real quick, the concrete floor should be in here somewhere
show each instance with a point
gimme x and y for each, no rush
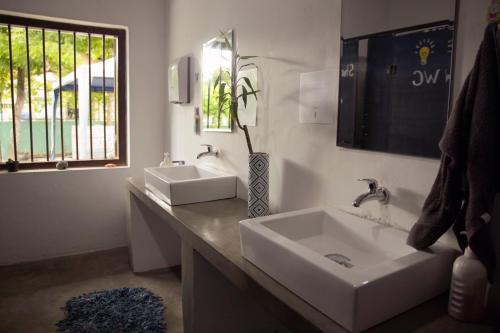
(31, 295)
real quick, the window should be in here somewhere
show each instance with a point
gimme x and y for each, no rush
(62, 93)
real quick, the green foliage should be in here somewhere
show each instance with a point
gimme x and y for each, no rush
(228, 87)
(212, 104)
(51, 49)
(233, 82)
(19, 59)
(60, 49)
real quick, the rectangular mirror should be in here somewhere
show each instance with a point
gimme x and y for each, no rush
(396, 73)
(217, 60)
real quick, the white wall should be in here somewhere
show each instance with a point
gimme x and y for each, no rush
(49, 214)
(307, 169)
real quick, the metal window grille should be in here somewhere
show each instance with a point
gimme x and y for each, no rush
(62, 93)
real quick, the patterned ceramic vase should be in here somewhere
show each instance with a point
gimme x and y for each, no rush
(258, 184)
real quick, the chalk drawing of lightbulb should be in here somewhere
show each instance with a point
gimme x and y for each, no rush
(425, 48)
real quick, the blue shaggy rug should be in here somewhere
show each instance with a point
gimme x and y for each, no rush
(124, 310)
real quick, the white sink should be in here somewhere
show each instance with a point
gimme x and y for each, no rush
(179, 185)
(357, 272)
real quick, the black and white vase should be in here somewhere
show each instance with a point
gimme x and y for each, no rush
(258, 185)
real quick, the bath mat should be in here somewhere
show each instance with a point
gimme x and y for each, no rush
(124, 310)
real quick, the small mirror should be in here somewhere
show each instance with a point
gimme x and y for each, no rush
(217, 60)
(396, 72)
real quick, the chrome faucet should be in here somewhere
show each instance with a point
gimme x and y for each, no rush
(374, 193)
(179, 163)
(211, 151)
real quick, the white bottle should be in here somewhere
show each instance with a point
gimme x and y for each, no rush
(469, 288)
(166, 161)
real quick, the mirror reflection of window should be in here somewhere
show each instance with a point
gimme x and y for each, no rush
(217, 60)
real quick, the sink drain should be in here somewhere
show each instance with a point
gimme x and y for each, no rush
(340, 259)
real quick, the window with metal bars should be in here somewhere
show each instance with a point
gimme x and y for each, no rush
(62, 93)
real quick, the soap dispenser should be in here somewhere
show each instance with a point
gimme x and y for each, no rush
(469, 288)
(166, 161)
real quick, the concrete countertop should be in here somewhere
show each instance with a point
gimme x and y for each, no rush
(212, 229)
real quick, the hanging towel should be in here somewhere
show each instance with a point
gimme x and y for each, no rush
(464, 191)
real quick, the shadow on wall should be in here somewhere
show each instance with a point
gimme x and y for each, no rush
(300, 187)
(407, 200)
(268, 80)
(226, 164)
(286, 61)
(295, 68)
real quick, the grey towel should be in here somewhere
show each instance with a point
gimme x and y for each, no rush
(464, 191)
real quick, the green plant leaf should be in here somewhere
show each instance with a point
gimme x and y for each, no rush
(222, 90)
(217, 80)
(222, 72)
(222, 103)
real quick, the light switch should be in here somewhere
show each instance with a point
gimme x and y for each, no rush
(317, 97)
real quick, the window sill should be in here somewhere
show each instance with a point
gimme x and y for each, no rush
(74, 169)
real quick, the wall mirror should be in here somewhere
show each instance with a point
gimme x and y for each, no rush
(216, 59)
(396, 73)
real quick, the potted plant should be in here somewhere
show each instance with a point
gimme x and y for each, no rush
(231, 91)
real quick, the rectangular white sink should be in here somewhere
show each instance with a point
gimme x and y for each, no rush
(357, 272)
(179, 185)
